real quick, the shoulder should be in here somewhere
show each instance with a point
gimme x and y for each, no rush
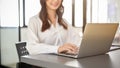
(35, 20)
(68, 24)
(70, 27)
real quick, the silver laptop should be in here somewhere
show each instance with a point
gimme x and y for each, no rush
(97, 39)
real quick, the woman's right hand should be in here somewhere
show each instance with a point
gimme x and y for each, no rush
(68, 48)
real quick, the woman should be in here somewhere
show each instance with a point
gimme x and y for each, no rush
(48, 32)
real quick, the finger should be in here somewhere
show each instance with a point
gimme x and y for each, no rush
(77, 49)
(64, 50)
(70, 48)
(74, 51)
(73, 46)
(70, 52)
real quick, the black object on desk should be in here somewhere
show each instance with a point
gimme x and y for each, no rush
(22, 51)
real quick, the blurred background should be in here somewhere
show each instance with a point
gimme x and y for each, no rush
(15, 14)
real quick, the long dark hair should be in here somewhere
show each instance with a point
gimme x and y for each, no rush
(43, 15)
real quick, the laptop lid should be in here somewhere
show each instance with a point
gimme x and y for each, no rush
(97, 38)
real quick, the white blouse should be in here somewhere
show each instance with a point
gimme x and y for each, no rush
(49, 40)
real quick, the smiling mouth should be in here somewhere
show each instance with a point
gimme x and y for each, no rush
(55, 5)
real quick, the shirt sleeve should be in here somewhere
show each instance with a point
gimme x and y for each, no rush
(74, 36)
(34, 46)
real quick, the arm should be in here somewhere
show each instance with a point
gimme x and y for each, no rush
(72, 43)
(34, 45)
(74, 36)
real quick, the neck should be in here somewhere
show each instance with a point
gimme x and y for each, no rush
(52, 15)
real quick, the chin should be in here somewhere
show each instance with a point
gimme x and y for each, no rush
(54, 8)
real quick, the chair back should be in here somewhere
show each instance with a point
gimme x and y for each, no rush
(21, 49)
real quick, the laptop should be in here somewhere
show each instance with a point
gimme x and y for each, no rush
(97, 39)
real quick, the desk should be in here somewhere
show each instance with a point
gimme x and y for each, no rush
(109, 60)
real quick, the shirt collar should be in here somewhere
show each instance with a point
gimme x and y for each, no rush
(56, 21)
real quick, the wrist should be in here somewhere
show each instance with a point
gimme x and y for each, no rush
(59, 49)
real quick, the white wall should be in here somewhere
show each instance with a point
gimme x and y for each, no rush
(24, 34)
(9, 36)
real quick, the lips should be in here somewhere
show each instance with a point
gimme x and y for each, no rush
(55, 5)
